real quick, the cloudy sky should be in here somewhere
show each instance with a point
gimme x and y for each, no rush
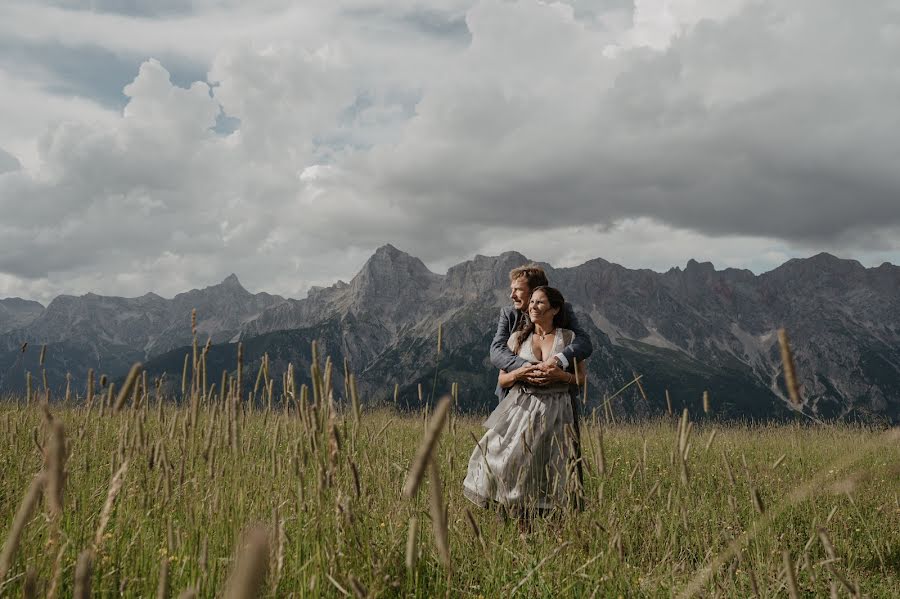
(163, 144)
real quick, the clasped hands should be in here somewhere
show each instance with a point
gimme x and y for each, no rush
(542, 373)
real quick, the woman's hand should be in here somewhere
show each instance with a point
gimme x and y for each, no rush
(508, 379)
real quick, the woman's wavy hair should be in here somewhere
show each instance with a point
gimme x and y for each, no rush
(561, 320)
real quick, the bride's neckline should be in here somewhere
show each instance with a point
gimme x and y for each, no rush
(530, 342)
(543, 336)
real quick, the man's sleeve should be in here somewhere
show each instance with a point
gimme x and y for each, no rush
(501, 356)
(580, 348)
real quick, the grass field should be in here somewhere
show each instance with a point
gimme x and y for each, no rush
(325, 486)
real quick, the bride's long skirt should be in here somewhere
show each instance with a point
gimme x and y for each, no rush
(524, 460)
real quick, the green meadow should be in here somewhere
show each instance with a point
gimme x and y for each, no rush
(301, 498)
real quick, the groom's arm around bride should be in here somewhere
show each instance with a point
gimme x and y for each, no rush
(522, 281)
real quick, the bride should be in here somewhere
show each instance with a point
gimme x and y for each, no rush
(526, 459)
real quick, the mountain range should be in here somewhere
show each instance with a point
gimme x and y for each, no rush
(685, 331)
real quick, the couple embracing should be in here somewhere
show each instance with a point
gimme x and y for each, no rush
(529, 460)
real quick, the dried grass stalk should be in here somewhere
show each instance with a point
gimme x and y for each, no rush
(240, 368)
(56, 575)
(29, 587)
(601, 453)
(127, 386)
(89, 399)
(826, 544)
(162, 588)
(683, 431)
(83, 572)
(354, 399)
(790, 577)
(790, 373)
(417, 470)
(115, 486)
(475, 529)
(728, 469)
(411, 550)
(251, 566)
(538, 567)
(358, 588)
(640, 387)
(709, 442)
(439, 516)
(757, 501)
(21, 519)
(54, 464)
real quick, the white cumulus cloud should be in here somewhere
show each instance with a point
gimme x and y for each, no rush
(648, 132)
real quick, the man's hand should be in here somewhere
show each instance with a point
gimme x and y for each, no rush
(547, 373)
(524, 372)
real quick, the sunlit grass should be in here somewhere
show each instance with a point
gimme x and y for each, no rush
(190, 491)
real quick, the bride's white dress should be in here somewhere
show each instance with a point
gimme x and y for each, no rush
(524, 460)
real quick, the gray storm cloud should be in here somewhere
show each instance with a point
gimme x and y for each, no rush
(466, 127)
(751, 125)
(8, 162)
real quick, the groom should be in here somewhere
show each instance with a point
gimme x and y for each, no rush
(521, 282)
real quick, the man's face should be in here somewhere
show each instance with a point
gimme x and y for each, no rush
(519, 293)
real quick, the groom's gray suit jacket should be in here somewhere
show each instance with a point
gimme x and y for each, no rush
(504, 359)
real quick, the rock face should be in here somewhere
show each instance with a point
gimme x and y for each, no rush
(843, 320)
(687, 331)
(110, 333)
(17, 313)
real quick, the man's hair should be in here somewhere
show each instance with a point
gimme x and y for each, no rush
(533, 274)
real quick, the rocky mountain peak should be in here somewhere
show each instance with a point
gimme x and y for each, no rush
(823, 261)
(820, 271)
(509, 258)
(390, 270)
(392, 286)
(699, 267)
(62, 302)
(18, 302)
(389, 251)
(231, 283)
(228, 289)
(16, 312)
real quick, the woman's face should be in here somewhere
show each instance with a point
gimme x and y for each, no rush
(539, 309)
